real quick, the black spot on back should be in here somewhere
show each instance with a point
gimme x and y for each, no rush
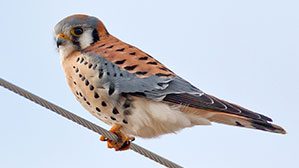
(141, 72)
(143, 58)
(120, 61)
(163, 68)
(101, 45)
(120, 49)
(152, 63)
(130, 68)
(132, 53)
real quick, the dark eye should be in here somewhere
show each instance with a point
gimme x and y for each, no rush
(77, 31)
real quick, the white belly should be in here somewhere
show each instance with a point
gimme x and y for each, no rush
(152, 119)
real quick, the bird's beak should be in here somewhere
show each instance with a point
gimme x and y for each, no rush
(61, 39)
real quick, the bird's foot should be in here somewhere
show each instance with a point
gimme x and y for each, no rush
(123, 142)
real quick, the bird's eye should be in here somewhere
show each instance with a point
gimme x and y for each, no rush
(77, 31)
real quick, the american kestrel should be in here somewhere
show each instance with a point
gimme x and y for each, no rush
(136, 94)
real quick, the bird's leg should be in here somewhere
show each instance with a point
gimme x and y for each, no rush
(123, 142)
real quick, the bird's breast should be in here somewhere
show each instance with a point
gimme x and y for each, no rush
(139, 116)
(86, 79)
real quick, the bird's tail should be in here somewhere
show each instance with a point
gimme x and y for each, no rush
(241, 121)
(237, 120)
(220, 111)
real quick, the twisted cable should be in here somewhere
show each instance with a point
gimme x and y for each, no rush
(85, 123)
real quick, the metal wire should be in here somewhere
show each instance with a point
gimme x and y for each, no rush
(85, 123)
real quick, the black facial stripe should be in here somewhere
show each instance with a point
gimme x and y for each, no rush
(75, 41)
(95, 36)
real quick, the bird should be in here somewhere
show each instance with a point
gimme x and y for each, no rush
(133, 92)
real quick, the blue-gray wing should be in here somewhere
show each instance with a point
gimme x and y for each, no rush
(169, 89)
(153, 87)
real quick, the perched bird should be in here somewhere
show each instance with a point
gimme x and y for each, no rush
(130, 90)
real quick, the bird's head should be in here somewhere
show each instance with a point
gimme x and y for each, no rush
(76, 32)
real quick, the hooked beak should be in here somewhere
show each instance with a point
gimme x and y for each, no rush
(61, 39)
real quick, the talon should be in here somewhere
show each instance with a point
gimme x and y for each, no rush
(102, 138)
(123, 142)
(124, 146)
(110, 144)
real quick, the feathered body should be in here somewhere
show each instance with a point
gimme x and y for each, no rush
(120, 84)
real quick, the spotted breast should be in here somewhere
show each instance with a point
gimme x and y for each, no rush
(88, 81)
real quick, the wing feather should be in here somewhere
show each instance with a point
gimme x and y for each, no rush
(149, 81)
(212, 103)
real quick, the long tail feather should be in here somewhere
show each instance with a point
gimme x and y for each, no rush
(240, 121)
(235, 120)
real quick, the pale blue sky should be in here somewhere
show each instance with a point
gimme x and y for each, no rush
(244, 52)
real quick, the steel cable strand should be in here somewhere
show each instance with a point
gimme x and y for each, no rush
(85, 123)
